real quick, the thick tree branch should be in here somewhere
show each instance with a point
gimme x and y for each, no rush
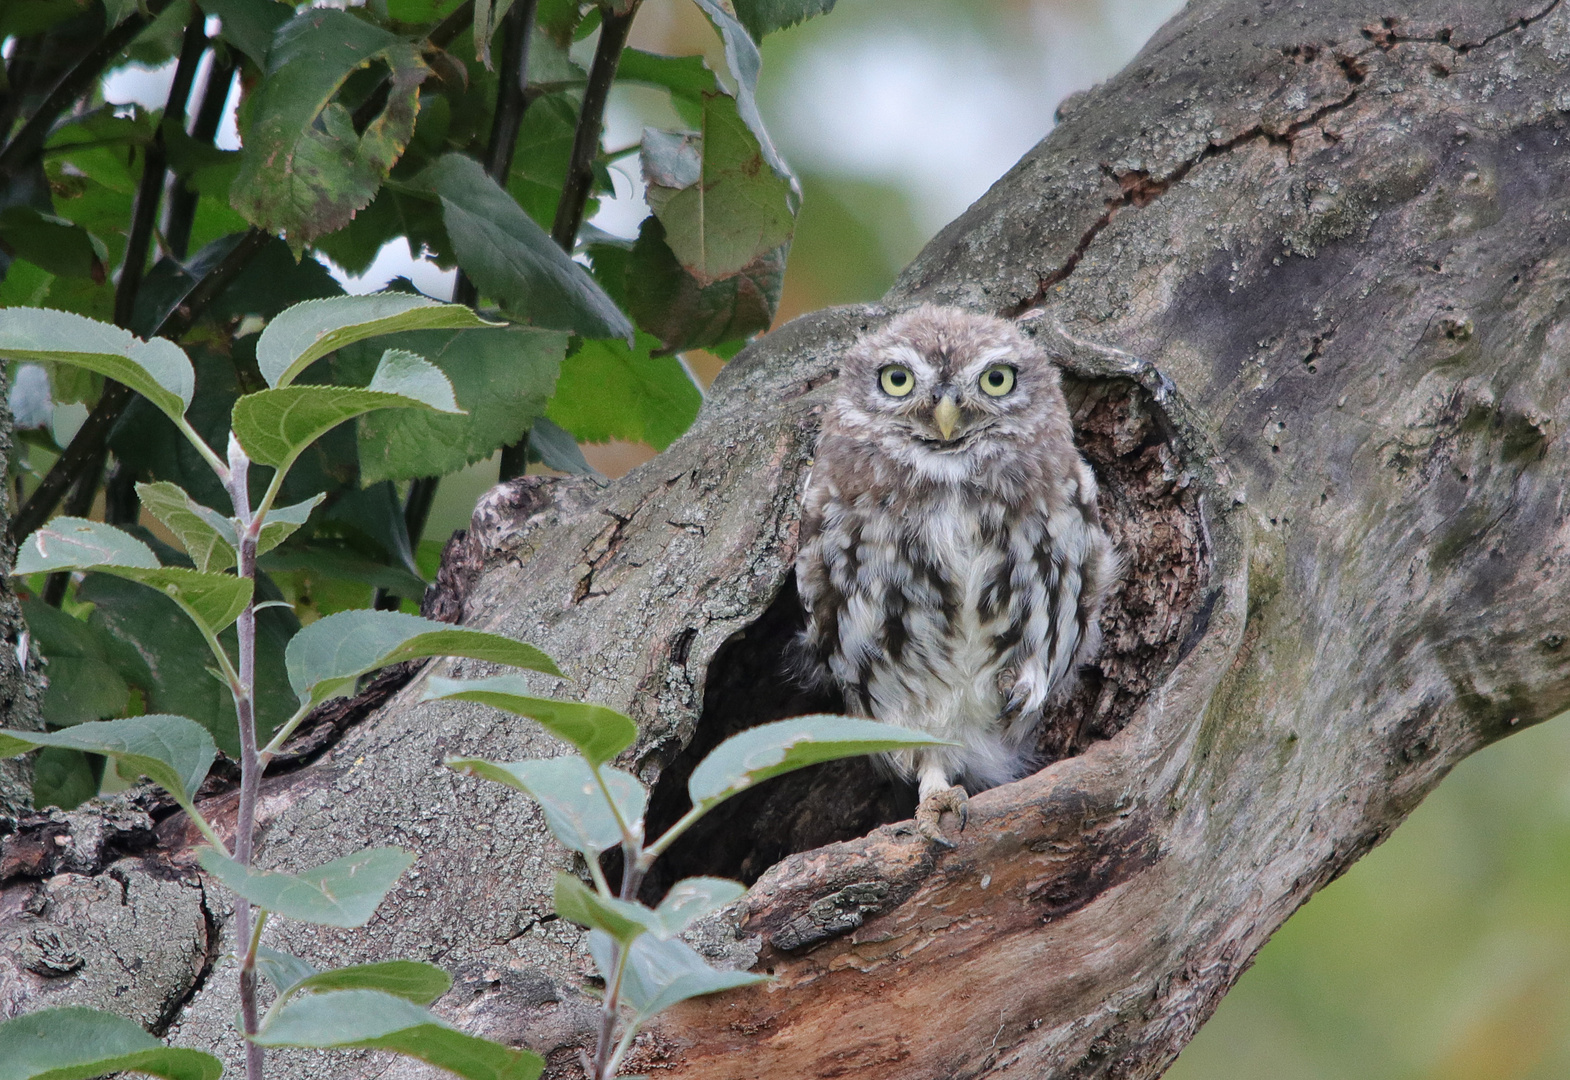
(1329, 444)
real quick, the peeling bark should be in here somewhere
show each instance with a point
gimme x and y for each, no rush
(1331, 251)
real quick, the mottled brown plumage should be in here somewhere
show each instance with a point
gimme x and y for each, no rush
(952, 562)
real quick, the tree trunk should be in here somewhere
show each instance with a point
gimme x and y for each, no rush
(1330, 250)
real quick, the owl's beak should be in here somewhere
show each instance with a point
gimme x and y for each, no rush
(946, 415)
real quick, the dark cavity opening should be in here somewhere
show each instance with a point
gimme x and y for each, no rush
(1149, 507)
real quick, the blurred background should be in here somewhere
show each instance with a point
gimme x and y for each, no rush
(1443, 955)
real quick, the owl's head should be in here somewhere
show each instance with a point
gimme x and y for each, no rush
(940, 385)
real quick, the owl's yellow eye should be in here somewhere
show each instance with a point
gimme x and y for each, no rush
(997, 380)
(896, 381)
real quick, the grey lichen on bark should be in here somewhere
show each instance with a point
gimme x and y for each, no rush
(1306, 268)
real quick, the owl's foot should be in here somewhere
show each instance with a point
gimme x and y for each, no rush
(930, 812)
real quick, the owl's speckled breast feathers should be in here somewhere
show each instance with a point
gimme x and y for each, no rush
(953, 563)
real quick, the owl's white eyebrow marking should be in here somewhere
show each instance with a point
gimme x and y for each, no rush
(910, 357)
(992, 355)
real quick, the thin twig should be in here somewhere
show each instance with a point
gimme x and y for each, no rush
(94, 432)
(512, 101)
(250, 763)
(209, 114)
(155, 162)
(439, 38)
(22, 149)
(591, 120)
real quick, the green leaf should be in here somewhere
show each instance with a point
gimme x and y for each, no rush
(734, 211)
(249, 25)
(306, 171)
(660, 973)
(306, 332)
(690, 899)
(555, 448)
(559, 19)
(501, 378)
(156, 369)
(599, 733)
(741, 56)
(210, 546)
(578, 903)
(762, 17)
(281, 969)
(69, 543)
(281, 523)
(327, 656)
(149, 624)
(688, 77)
(575, 808)
(488, 15)
(514, 260)
(334, 561)
(89, 671)
(171, 751)
(57, 245)
(275, 426)
(65, 778)
(608, 391)
(344, 892)
(76, 1043)
(409, 979)
(352, 1019)
(768, 750)
(212, 600)
(682, 312)
(209, 537)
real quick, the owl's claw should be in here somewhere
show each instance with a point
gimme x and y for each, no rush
(930, 813)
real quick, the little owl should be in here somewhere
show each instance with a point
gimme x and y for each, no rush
(952, 558)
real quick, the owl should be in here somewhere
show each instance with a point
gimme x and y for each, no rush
(952, 561)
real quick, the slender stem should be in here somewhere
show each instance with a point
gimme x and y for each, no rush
(631, 839)
(209, 114)
(512, 101)
(605, 1058)
(621, 1049)
(656, 849)
(250, 764)
(214, 462)
(601, 886)
(417, 507)
(515, 459)
(608, 1010)
(256, 938)
(591, 120)
(155, 168)
(270, 496)
(94, 432)
(281, 736)
(209, 833)
(21, 150)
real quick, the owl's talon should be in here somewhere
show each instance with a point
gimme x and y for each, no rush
(930, 813)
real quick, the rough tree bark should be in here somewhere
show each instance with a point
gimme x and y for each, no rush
(1331, 244)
